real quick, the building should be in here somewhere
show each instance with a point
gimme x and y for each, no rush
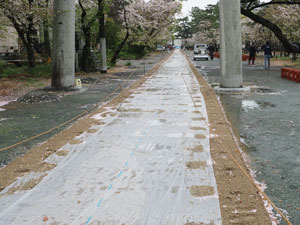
(177, 43)
(8, 38)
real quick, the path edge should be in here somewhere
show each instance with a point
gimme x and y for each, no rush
(227, 190)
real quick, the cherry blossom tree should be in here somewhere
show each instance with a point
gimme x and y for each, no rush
(143, 22)
(273, 18)
(254, 9)
(206, 34)
(286, 18)
(27, 16)
(256, 34)
(148, 20)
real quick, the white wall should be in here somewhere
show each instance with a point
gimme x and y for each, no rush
(8, 39)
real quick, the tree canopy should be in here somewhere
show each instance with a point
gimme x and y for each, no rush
(133, 26)
(259, 12)
(276, 21)
(130, 24)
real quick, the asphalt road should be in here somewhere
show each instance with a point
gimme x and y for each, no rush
(268, 122)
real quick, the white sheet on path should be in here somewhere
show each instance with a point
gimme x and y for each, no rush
(133, 169)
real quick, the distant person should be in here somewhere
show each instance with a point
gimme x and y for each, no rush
(268, 54)
(252, 54)
(211, 50)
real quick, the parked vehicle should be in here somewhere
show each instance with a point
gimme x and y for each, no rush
(177, 43)
(160, 48)
(200, 52)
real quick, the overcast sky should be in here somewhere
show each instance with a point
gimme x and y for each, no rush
(187, 5)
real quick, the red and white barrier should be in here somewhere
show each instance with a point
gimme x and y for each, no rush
(290, 74)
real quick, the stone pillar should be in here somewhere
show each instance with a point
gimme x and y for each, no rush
(63, 62)
(103, 55)
(102, 34)
(231, 44)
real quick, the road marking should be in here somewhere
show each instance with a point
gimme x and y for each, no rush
(99, 202)
(120, 173)
(88, 220)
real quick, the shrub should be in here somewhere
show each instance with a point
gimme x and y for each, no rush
(41, 70)
(3, 64)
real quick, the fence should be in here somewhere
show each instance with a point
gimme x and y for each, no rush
(290, 74)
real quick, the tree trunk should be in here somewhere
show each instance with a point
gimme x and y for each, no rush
(30, 55)
(273, 27)
(29, 45)
(102, 36)
(63, 64)
(86, 50)
(121, 46)
(47, 46)
(26, 39)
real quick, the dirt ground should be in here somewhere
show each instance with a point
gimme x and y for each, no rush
(16, 86)
(13, 88)
(240, 201)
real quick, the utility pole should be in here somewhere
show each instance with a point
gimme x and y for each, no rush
(103, 68)
(231, 44)
(63, 62)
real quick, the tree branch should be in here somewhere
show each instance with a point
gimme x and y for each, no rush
(275, 3)
(250, 4)
(83, 14)
(273, 27)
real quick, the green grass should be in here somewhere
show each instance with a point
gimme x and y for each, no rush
(32, 82)
(128, 56)
(110, 54)
(288, 61)
(41, 70)
(3, 64)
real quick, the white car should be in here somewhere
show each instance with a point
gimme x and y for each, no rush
(160, 48)
(200, 52)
